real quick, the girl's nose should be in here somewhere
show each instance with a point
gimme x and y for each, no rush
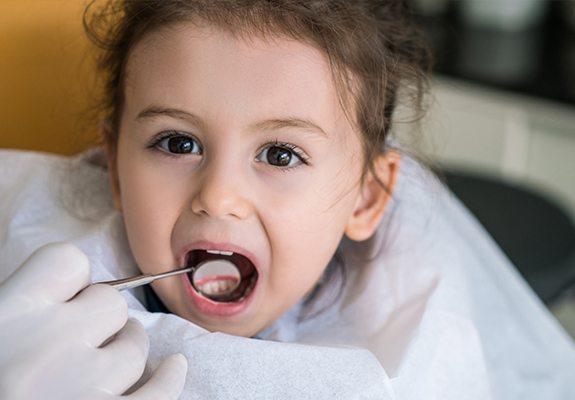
(221, 194)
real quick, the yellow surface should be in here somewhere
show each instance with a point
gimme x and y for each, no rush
(47, 79)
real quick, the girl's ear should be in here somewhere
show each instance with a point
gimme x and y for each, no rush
(376, 191)
(110, 146)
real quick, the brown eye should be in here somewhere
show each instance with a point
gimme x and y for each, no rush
(278, 156)
(179, 144)
(281, 155)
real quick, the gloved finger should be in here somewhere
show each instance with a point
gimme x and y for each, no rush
(53, 273)
(95, 314)
(166, 383)
(125, 357)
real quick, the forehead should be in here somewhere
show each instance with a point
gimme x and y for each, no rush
(193, 62)
(203, 40)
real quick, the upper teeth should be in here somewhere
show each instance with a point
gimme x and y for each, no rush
(220, 252)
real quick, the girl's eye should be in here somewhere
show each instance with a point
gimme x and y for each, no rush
(179, 144)
(282, 155)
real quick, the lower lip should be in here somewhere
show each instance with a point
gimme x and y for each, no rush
(213, 308)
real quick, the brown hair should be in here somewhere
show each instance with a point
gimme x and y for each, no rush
(372, 46)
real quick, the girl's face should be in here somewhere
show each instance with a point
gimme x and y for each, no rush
(235, 145)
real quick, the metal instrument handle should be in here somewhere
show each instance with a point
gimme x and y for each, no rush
(139, 280)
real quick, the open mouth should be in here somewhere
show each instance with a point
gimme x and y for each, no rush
(221, 276)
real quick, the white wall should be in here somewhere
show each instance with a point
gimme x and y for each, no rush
(514, 137)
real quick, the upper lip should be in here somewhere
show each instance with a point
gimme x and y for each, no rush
(207, 245)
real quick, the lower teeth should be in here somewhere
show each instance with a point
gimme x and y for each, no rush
(220, 285)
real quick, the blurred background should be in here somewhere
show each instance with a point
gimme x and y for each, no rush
(47, 80)
(501, 128)
(500, 124)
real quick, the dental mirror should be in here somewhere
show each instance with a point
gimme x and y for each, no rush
(215, 279)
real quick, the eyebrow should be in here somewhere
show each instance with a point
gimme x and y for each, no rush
(270, 124)
(290, 122)
(154, 111)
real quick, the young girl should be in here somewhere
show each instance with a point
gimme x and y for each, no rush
(256, 134)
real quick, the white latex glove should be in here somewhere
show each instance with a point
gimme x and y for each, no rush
(56, 343)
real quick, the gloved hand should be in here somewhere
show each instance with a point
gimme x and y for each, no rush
(56, 343)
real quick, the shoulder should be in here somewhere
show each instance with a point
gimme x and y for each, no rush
(30, 179)
(39, 188)
(19, 167)
(15, 164)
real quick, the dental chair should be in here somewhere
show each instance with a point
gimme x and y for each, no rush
(533, 231)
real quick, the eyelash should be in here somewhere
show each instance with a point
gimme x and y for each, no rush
(297, 151)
